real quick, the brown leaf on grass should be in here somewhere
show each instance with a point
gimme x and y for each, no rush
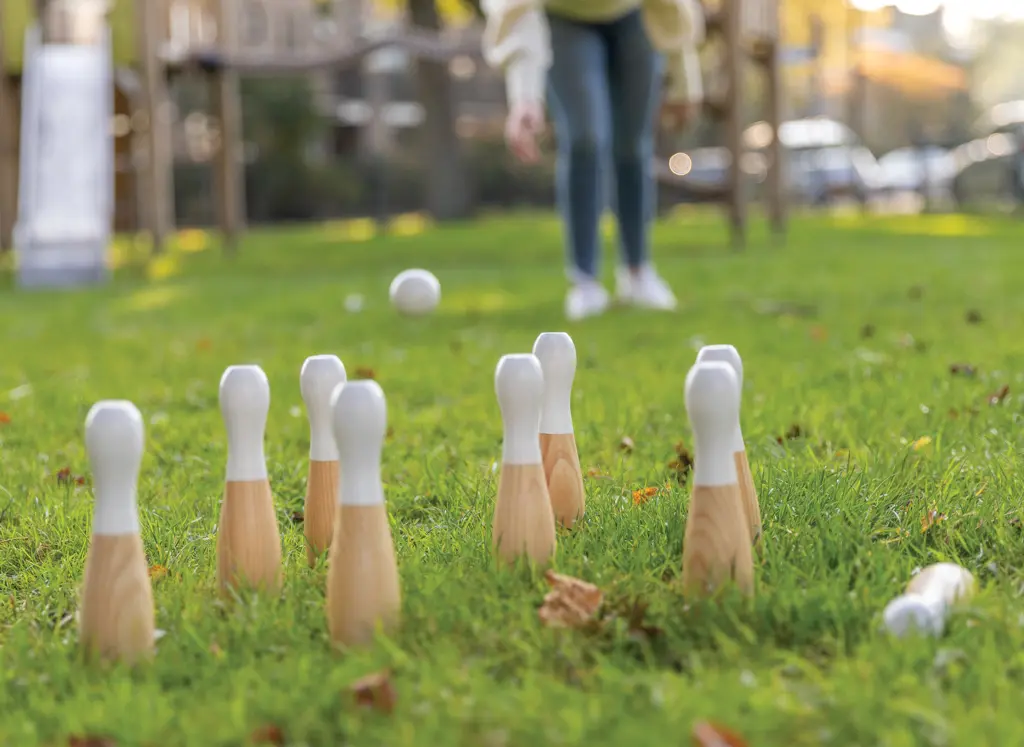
(627, 445)
(203, 344)
(157, 571)
(683, 462)
(571, 603)
(708, 734)
(297, 517)
(793, 432)
(389, 433)
(375, 691)
(5, 418)
(915, 292)
(365, 372)
(867, 331)
(930, 519)
(962, 369)
(642, 495)
(597, 473)
(1000, 395)
(215, 649)
(64, 477)
(636, 617)
(269, 734)
(91, 741)
(819, 333)
(973, 316)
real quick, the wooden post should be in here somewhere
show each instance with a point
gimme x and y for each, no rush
(226, 97)
(734, 56)
(157, 193)
(9, 126)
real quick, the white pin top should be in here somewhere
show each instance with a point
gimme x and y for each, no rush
(712, 403)
(925, 605)
(244, 404)
(557, 355)
(728, 354)
(359, 418)
(114, 439)
(519, 384)
(318, 378)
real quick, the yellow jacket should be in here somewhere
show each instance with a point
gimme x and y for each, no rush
(517, 40)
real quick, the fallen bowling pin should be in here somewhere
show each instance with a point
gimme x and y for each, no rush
(751, 507)
(248, 539)
(116, 620)
(363, 592)
(524, 522)
(557, 355)
(716, 545)
(318, 378)
(929, 597)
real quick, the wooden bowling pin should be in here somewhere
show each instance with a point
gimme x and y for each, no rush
(524, 523)
(248, 539)
(926, 604)
(363, 593)
(116, 616)
(751, 507)
(716, 546)
(557, 355)
(318, 378)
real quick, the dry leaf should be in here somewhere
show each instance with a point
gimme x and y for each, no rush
(365, 372)
(641, 496)
(375, 691)
(930, 519)
(297, 517)
(1000, 395)
(571, 603)
(819, 333)
(268, 734)
(389, 433)
(215, 649)
(794, 431)
(5, 418)
(91, 742)
(203, 344)
(596, 472)
(973, 316)
(157, 572)
(867, 331)
(962, 369)
(921, 443)
(627, 445)
(915, 292)
(64, 477)
(683, 462)
(707, 734)
(638, 627)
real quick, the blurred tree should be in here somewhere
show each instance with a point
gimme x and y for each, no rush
(447, 192)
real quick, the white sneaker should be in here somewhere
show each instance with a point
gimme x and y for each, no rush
(643, 288)
(586, 298)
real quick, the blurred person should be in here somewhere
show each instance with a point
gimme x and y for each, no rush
(602, 64)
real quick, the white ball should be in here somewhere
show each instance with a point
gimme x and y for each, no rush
(415, 292)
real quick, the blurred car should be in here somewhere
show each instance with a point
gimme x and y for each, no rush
(990, 168)
(927, 171)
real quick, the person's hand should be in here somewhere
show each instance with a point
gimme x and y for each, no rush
(677, 115)
(524, 124)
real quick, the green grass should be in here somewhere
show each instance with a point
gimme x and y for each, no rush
(848, 332)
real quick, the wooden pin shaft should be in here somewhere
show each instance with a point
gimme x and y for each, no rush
(116, 617)
(524, 523)
(248, 539)
(563, 476)
(363, 592)
(716, 546)
(748, 494)
(318, 515)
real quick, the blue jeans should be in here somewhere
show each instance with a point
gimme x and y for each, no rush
(604, 88)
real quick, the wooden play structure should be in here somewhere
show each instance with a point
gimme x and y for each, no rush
(743, 32)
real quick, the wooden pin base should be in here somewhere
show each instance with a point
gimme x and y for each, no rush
(748, 494)
(116, 620)
(564, 477)
(318, 513)
(524, 523)
(716, 546)
(363, 591)
(248, 540)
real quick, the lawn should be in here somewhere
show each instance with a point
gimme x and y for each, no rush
(880, 431)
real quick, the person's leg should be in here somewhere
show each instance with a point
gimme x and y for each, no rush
(634, 79)
(578, 88)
